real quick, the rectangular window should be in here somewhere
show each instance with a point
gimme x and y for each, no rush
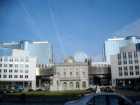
(4, 76)
(0, 70)
(119, 62)
(125, 71)
(11, 60)
(10, 71)
(135, 54)
(0, 59)
(124, 55)
(136, 61)
(5, 65)
(26, 66)
(15, 76)
(10, 65)
(26, 76)
(131, 70)
(16, 71)
(0, 76)
(130, 61)
(120, 71)
(119, 56)
(129, 55)
(16, 65)
(26, 71)
(5, 70)
(125, 62)
(0, 65)
(10, 76)
(21, 76)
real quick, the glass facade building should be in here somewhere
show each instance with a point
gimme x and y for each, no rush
(42, 50)
(112, 46)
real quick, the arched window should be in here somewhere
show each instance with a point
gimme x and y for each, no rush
(65, 85)
(71, 85)
(84, 84)
(77, 85)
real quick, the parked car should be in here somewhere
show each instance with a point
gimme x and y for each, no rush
(101, 99)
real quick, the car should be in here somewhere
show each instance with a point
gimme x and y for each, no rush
(101, 99)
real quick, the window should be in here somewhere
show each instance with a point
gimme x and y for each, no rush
(130, 61)
(15, 76)
(21, 59)
(84, 74)
(5, 59)
(0, 59)
(10, 76)
(0, 70)
(119, 56)
(124, 61)
(5, 70)
(70, 73)
(21, 71)
(135, 54)
(125, 71)
(77, 74)
(21, 76)
(10, 65)
(120, 71)
(71, 85)
(26, 71)
(0, 65)
(15, 70)
(27, 60)
(26, 66)
(26, 76)
(84, 84)
(119, 62)
(130, 55)
(131, 70)
(16, 65)
(11, 60)
(136, 61)
(77, 85)
(124, 55)
(5, 65)
(64, 73)
(137, 69)
(65, 85)
(0, 76)
(10, 71)
(4, 76)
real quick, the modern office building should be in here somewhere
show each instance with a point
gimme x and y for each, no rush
(42, 50)
(112, 46)
(125, 66)
(17, 70)
(70, 75)
(39, 54)
(99, 73)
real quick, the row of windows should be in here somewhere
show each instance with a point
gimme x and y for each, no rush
(130, 61)
(13, 76)
(71, 85)
(14, 65)
(14, 59)
(71, 73)
(15, 71)
(126, 55)
(131, 70)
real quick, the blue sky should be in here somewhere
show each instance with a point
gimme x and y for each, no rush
(70, 25)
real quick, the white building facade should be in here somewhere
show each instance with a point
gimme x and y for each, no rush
(18, 71)
(125, 66)
(70, 76)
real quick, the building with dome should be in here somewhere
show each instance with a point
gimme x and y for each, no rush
(70, 75)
